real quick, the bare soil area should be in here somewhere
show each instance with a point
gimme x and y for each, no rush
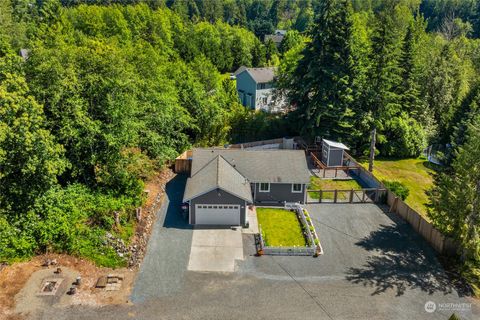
(29, 275)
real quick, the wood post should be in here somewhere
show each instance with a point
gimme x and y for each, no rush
(393, 208)
(116, 215)
(335, 196)
(372, 150)
(320, 194)
(351, 195)
(363, 196)
(138, 214)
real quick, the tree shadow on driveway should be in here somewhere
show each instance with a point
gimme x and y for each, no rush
(401, 260)
(174, 196)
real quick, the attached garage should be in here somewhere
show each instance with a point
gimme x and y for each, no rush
(218, 195)
(220, 214)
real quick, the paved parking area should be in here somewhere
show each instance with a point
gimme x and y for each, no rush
(374, 267)
(215, 250)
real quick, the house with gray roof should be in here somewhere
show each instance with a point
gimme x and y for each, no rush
(256, 89)
(223, 182)
(277, 37)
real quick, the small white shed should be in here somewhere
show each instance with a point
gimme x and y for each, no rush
(333, 152)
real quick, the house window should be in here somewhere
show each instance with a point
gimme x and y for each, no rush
(264, 187)
(261, 86)
(264, 100)
(297, 187)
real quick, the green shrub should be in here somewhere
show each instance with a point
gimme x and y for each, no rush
(312, 228)
(398, 188)
(15, 243)
(317, 242)
(70, 220)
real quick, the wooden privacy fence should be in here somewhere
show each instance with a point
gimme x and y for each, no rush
(422, 226)
(183, 163)
(373, 195)
(256, 143)
(438, 241)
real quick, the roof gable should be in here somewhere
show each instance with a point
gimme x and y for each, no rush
(259, 75)
(217, 173)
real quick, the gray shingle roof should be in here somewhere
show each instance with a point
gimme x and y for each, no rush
(240, 70)
(276, 38)
(217, 173)
(262, 75)
(275, 166)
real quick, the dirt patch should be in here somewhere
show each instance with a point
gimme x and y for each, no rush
(156, 185)
(29, 275)
(12, 280)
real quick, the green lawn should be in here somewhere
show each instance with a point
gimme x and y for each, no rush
(416, 174)
(317, 183)
(280, 228)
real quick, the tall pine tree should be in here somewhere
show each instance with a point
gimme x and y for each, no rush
(322, 82)
(455, 197)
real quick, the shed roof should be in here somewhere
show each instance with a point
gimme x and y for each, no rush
(335, 144)
(217, 173)
(274, 166)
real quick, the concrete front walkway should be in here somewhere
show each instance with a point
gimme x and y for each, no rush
(215, 250)
(252, 221)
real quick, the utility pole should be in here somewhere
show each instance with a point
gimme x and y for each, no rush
(372, 149)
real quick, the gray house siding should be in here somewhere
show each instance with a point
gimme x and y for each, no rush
(218, 196)
(335, 158)
(246, 86)
(279, 192)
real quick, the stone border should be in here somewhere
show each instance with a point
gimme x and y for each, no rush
(313, 248)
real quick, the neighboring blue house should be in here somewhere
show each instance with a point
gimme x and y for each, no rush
(256, 89)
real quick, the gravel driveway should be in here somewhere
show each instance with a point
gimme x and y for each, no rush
(166, 260)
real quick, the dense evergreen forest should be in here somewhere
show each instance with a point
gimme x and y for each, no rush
(108, 92)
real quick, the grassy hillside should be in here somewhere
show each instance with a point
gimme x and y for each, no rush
(416, 174)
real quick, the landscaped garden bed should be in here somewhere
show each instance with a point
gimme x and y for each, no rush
(280, 228)
(287, 232)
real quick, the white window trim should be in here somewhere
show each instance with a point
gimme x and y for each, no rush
(299, 191)
(260, 187)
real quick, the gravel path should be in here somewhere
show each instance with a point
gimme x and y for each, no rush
(166, 260)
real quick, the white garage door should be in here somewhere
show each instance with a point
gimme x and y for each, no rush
(218, 214)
